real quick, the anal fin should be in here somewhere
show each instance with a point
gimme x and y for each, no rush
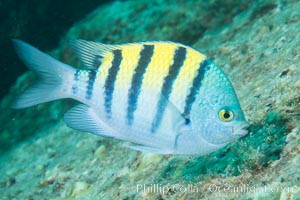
(83, 118)
(147, 149)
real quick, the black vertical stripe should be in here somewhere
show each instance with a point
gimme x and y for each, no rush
(76, 75)
(178, 61)
(136, 83)
(90, 84)
(76, 78)
(111, 79)
(97, 61)
(176, 141)
(197, 82)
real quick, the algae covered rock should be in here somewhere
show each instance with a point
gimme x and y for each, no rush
(256, 44)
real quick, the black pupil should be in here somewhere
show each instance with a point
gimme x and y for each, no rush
(226, 115)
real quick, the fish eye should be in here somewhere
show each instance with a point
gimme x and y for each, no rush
(225, 115)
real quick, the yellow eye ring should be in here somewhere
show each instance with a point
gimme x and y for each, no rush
(225, 115)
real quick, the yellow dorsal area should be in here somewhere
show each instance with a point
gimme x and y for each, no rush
(159, 66)
(157, 69)
(130, 54)
(104, 68)
(184, 81)
(161, 60)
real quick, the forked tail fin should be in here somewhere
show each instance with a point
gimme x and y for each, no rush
(53, 77)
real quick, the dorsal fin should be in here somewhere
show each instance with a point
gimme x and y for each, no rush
(90, 53)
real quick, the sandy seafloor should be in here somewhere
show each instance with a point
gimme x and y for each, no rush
(256, 43)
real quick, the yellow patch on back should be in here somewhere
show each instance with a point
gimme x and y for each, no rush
(159, 66)
(157, 69)
(130, 54)
(184, 81)
(104, 68)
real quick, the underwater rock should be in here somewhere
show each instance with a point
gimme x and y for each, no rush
(100, 151)
(256, 44)
(77, 189)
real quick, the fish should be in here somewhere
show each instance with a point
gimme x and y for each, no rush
(159, 97)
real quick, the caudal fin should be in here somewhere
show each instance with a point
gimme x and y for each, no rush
(52, 74)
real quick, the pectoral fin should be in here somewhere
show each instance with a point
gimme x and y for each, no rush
(165, 105)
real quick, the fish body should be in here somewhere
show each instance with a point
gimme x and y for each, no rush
(165, 97)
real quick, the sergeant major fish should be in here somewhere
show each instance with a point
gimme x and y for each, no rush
(163, 97)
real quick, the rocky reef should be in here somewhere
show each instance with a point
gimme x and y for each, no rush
(256, 43)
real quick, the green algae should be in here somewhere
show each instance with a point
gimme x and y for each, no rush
(262, 145)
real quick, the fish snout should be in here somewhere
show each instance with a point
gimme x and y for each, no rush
(240, 130)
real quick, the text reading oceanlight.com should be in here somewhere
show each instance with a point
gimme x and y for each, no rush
(213, 188)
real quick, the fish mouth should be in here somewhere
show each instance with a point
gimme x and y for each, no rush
(241, 130)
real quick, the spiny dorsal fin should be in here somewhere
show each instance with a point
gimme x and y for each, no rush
(90, 53)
